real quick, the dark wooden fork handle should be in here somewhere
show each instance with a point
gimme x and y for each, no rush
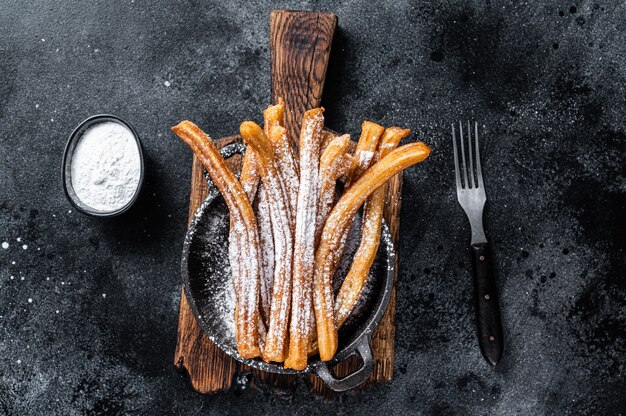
(487, 309)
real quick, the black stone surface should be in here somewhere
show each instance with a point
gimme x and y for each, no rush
(547, 81)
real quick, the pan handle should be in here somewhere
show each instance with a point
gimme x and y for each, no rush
(364, 349)
(227, 152)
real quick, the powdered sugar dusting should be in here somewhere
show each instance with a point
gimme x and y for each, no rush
(304, 246)
(250, 174)
(283, 249)
(365, 158)
(287, 166)
(331, 167)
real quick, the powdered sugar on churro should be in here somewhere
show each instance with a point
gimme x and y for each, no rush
(250, 174)
(365, 158)
(274, 349)
(331, 168)
(283, 248)
(304, 245)
(286, 165)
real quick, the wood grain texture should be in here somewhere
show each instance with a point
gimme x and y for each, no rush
(299, 52)
(383, 340)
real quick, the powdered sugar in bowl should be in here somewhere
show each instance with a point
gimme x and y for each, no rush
(103, 166)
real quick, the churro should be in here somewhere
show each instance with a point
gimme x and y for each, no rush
(356, 278)
(249, 179)
(365, 149)
(337, 223)
(304, 242)
(245, 228)
(286, 160)
(276, 339)
(364, 155)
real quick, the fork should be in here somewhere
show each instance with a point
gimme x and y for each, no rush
(470, 191)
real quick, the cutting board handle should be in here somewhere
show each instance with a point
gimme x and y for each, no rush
(300, 44)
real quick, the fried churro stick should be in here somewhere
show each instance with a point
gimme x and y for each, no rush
(348, 162)
(304, 245)
(356, 278)
(249, 180)
(249, 177)
(327, 137)
(334, 164)
(364, 154)
(365, 149)
(246, 229)
(337, 223)
(330, 170)
(286, 161)
(276, 340)
(264, 219)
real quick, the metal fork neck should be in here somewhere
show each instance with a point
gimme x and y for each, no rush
(478, 231)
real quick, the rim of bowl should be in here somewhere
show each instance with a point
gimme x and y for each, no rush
(68, 153)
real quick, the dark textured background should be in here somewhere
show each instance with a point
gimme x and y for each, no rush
(547, 81)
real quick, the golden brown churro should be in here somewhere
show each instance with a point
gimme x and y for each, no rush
(249, 180)
(365, 149)
(364, 155)
(356, 278)
(246, 226)
(286, 160)
(334, 164)
(338, 221)
(304, 242)
(249, 177)
(327, 137)
(273, 115)
(331, 168)
(348, 162)
(276, 340)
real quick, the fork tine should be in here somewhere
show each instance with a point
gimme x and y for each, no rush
(463, 154)
(472, 181)
(479, 170)
(456, 160)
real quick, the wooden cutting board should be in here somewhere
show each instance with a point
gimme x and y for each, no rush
(300, 45)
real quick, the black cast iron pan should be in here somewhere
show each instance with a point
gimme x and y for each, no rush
(207, 285)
